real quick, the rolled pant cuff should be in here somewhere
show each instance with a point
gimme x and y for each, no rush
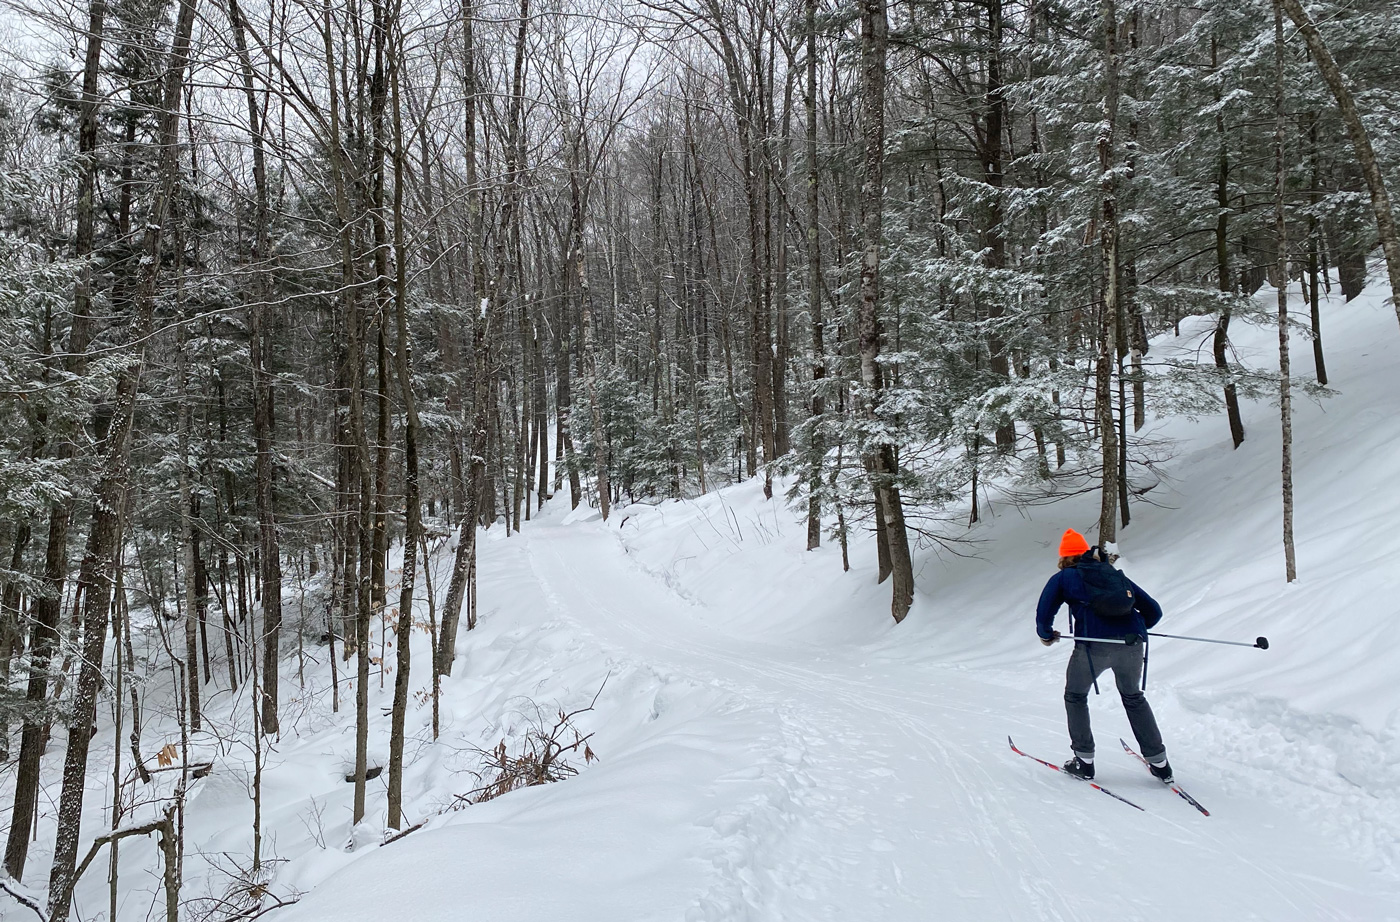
(1086, 756)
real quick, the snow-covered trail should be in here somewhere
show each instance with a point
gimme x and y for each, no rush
(905, 801)
(774, 749)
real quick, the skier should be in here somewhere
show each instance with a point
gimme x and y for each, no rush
(1085, 578)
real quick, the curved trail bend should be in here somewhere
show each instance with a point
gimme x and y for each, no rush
(900, 800)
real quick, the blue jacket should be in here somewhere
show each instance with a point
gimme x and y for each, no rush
(1067, 587)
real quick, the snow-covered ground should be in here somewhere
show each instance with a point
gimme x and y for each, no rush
(771, 746)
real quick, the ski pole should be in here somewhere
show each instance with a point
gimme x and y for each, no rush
(1131, 641)
(1261, 642)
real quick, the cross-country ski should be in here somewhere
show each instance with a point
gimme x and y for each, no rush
(1171, 784)
(1053, 766)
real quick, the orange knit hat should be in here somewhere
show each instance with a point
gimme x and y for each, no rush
(1072, 544)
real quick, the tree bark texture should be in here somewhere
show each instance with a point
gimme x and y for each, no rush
(1221, 343)
(413, 524)
(1285, 392)
(1111, 307)
(880, 456)
(817, 449)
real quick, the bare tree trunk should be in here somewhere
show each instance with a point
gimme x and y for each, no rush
(429, 591)
(509, 258)
(782, 436)
(759, 339)
(1111, 307)
(413, 526)
(880, 457)
(1285, 394)
(359, 525)
(1222, 267)
(167, 843)
(744, 80)
(563, 395)
(464, 562)
(1133, 340)
(590, 373)
(1314, 234)
(541, 403)
(814, 290)
(520, 415)
(230, 628)
(135, 737)
(580, 159)
(524, 454)
(264, 421)
(1360, 142)
(663, 322)
(187, 549)
(379, 564)
(379, 102)
(364, 596)
(995, 233)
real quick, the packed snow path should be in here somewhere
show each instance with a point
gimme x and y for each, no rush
(759, 765)
(903, 799)
(774, 749)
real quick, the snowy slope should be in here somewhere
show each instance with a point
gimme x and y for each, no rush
(860, 769)
(772, 747)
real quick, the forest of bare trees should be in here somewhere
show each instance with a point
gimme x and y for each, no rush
(285, 284)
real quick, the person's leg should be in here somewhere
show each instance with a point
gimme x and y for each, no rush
(1079, 676)
(1127, 673)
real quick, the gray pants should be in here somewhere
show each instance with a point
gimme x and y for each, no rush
(1088, 662)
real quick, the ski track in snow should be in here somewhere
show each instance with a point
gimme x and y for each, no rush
(845, 797)
(896, 805)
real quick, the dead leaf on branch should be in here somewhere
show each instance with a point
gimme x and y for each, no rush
(539, 759)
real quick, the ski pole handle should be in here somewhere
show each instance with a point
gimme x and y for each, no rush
(1261, 643)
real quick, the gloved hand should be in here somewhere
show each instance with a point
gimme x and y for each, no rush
(1049, 640)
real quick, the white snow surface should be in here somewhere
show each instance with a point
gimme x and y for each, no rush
(771, 746)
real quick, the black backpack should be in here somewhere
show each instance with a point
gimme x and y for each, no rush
(1107, 591)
